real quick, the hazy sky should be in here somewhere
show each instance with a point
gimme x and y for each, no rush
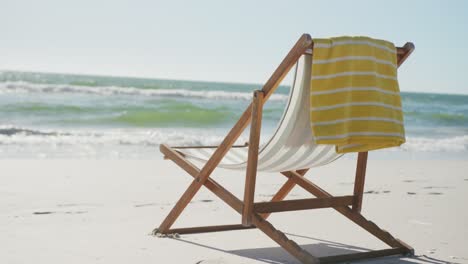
(235, 41)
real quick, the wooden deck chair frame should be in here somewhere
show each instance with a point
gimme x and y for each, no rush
(254, 215)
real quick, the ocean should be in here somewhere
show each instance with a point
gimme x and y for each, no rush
(80, 116)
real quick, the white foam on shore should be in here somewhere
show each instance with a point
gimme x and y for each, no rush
(10, 135)
(26, 87)
(28, 141)
(16, 142)
(425, 144)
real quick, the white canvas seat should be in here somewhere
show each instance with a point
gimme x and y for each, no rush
(291, 147)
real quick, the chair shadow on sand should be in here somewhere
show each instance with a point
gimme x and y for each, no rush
(278, 255)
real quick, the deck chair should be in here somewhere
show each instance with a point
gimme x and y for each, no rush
(290, 151)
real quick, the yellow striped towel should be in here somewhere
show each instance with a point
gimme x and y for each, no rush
(355, 100)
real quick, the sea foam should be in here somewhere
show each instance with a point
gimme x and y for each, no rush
(26, 87)
(29, 140)
(425, 144)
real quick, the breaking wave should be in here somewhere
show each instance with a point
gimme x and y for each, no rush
(10, 135)
(26, 87)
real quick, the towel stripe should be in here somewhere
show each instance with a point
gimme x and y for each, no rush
(350, 89)
(351, 73)
(357, 81)
(354, 42)
(354, 58)
(355, 104)
(381, 134)
(325, 123)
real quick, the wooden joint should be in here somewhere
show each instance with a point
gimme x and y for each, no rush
(302, 44)
(409, 249)
(256, 93)
(404, 52)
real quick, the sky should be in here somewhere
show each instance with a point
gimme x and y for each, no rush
(228, 41)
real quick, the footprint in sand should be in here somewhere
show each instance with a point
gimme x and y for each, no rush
(152, 204)
(438, 187)
(455, 257)
(43, 213)
(143, 205)
(76, 212)
(202, 201)
(67, 212)
(417, 222)
(212, 261)
(78, 204)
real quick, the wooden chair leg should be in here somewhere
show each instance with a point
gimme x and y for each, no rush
(279, 237)
(359, 181)
(192, 170)
(180, 206)
(251, 171)
(357, 218)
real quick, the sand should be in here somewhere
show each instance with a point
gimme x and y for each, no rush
(103, 211)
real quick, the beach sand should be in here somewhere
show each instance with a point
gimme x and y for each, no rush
(103, 211)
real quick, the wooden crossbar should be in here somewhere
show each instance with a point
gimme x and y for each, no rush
(207, 229)
(254, 214)
(302, 204)
(209, 146)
